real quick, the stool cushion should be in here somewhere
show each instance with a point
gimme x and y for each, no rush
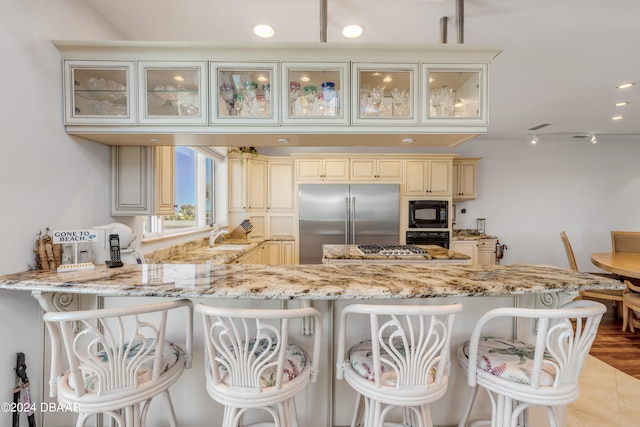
(296, 361)
(361, 360)
(508, 359)
(171, 353)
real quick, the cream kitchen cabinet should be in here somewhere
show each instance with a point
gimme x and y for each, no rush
(376, 170)
(429, 177)
(481, 251)
(279, 252)
(320, 170)
(279, 183)
(487, 251)
(466, 247)
(142, 180)
(247, 184)
(464, 179)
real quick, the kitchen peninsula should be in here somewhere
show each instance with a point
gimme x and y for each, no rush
(328, 288)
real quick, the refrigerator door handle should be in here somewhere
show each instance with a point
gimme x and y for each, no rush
(353, 220)
(347, 218)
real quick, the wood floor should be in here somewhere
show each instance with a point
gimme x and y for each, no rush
(616, 348)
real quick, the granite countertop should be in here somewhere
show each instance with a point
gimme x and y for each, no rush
(199, 251)
(313, 281)
(352, 252)
(470, 234)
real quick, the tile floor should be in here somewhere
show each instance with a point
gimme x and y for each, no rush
(595, 407)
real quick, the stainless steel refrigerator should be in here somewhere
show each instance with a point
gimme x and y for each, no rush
(347, 214)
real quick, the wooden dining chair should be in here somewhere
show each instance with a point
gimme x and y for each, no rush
(628, 241)
(613, 295)
(625, 241)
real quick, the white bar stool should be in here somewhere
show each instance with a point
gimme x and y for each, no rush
(518, 375)
(252, 365)
(118, 360)
(403, 366)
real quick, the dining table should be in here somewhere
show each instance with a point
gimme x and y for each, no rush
(625, 264)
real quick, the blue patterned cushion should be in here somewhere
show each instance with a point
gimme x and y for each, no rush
(361, 360)
(509, 359)
(295, 362)
(171, 353)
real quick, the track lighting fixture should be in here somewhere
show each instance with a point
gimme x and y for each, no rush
(593, 138)
(534, 140)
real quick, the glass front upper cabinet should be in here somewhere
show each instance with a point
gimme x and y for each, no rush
(99, 92)
(172, 92)
(315, 93)
(244, 93)
(455, 94)
(385, 94)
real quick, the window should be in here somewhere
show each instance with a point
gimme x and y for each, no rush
(193, 192)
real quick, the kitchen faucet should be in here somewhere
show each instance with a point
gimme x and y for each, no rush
(215, 234)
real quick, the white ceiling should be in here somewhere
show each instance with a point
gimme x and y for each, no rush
(560, 64)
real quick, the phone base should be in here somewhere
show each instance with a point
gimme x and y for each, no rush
(112, 264)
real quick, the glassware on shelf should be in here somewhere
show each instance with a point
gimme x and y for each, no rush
(266, 87)
(364, 100)
(328, 99)
(398, 97)
(310, 93)
(294, 87)
(226, 93)
(238, 103)
(262, 105)
(377, 96)
(441, 102)
(250, 95)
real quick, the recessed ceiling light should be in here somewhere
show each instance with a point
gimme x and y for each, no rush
(625, 85)
(352, 31)
(155, 140)
(178, 78)
(283, 141)
(534, 140)
(387, 79)
(593, 138)
(621, 104)
(305, 78)
(616, 118)
(408, 141)
(264, 31)
(262, 78)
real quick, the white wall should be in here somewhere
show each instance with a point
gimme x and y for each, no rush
(47, 179)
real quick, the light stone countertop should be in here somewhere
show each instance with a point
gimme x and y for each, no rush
(469, 234)
(313, 281)
(352, 252)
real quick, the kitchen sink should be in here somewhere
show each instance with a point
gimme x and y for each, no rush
(228, 247)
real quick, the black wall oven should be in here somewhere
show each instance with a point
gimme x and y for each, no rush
(428, 214)
(438, 238)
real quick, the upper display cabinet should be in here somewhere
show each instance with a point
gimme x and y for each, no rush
(327, 94)
(315, 93)
(99, 92)
(243, 93)
(172, 92)
(455, 94)
(385, 94)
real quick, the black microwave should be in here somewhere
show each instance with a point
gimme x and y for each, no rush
(428, 214)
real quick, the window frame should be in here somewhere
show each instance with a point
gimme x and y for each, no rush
(154, 224)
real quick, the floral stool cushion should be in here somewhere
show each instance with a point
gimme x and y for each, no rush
(361, 360)
(171, 353)
(295, 362)
(507, 358)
